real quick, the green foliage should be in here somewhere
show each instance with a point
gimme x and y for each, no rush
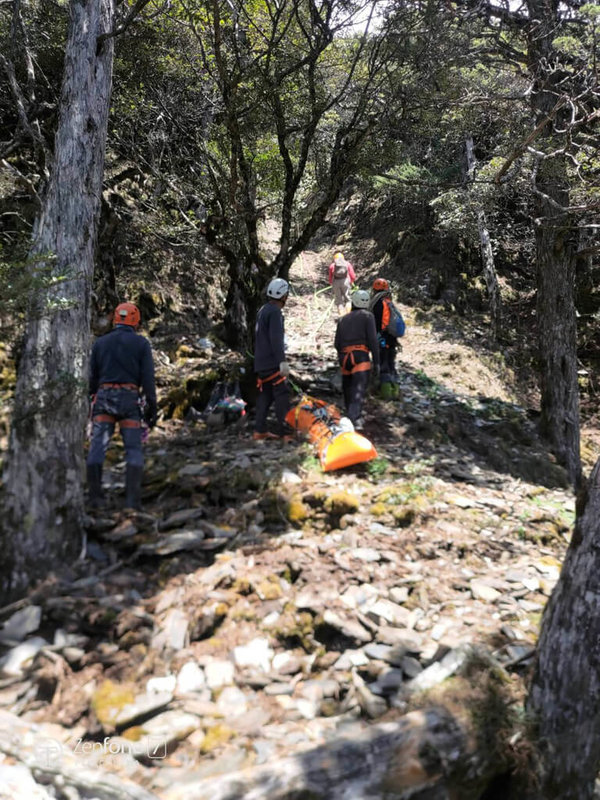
(377, 468)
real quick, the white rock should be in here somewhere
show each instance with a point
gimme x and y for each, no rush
(143, 705)
(290, 477)
(166, 683)
(21, 624)
(219, 673)
(367, 554)
(440, 670)
(270, 619)
(15, 661)
(190, 678)
(398, 594)
(386, 611)
(359, 596)
(351, 658)
(481, 591)
(17, 783)
(232, 702)
(257, 654)
(173, 631)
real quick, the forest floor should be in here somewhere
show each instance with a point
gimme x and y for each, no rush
(259, 607)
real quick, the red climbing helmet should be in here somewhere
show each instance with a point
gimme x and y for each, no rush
(380, 285)
(127, 314)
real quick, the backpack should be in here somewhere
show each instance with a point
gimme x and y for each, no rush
(391, 319)
(340, 269)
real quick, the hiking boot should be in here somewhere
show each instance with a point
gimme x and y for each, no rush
(259, 437)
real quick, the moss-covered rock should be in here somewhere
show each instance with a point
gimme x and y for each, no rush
(108, 701)
(215, 737)
(340, 503)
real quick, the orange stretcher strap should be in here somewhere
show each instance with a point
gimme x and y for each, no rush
(276, 377)
(349, 364)
(133, 386)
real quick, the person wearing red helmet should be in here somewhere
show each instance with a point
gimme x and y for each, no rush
(381, 306)
(121, 367)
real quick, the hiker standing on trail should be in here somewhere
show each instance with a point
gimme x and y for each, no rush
(270, 365)
(385, 314)
(355, 337)
(341, 278)
(121, 365)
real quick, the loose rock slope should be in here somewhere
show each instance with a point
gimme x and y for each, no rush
(260, 611)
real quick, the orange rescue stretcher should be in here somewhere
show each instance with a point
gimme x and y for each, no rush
(336, 441)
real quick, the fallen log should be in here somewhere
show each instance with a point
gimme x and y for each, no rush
(423, 752)
(55, 762)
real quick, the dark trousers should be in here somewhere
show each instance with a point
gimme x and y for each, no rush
(387, 358)
(355, 388)
(272, 391)
(123, 406)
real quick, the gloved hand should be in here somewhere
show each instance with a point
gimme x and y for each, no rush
(284, 368)
(150, 416)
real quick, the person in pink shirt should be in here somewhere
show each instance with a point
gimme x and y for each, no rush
(341, 278)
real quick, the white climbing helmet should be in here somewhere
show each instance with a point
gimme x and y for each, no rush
(360, 299)
(278, 289)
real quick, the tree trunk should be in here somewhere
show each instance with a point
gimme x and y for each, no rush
(557, 328)
(487, 254)
(565, 692)
(557, 337)
(43, 479)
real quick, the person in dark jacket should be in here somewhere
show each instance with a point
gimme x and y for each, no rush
(121, 367)
(355, 337)
(270, 365)
(388, 344)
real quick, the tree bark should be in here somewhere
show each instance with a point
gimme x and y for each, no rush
(487, 255)
(557, 328)
(564, 698)
(43, 478)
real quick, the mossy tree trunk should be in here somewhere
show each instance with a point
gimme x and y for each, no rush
(564, 699)
(554, 237)
(43, 477)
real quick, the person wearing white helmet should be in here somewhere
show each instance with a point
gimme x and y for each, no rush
(270, 365)
(341, 278)
(355, 338)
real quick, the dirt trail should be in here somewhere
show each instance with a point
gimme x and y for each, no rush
(429, 346)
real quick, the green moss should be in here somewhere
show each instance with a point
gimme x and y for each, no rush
(404, 516)
(269, 588)
(133, 734)
(341, 503)
(215, 737)
(297, 631)
(378, 509)
(297, 512)
(108, 701)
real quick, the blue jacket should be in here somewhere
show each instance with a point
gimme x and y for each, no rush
(123, 356)
(269, 349)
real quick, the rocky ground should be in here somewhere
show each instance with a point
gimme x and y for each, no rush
(259, 608)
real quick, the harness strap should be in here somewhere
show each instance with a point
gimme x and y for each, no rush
(133, 386)
(349, 364)
(104, 418)
(352, 347)
(276, 377)
(123, 423)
